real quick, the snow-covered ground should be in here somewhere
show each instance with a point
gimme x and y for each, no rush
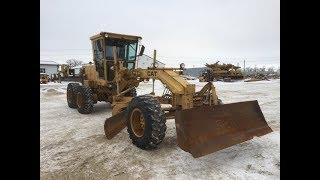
(73, 145)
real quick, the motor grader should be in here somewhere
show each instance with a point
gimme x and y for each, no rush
(203, 123)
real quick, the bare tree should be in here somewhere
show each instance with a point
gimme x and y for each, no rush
(262, 70)
(278, 71)
(270, 70)
(74, 62)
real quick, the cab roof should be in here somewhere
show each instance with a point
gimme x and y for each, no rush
(116, 36)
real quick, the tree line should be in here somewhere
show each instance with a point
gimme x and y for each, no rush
(263, 70)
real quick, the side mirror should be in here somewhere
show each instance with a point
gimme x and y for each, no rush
(141, 50)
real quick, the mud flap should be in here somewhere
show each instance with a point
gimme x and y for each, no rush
(207, 129)
(114, 124)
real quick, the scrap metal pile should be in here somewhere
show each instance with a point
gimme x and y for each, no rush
(224, 72)
(257, 77)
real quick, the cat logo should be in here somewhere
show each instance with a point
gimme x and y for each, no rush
(152, 73)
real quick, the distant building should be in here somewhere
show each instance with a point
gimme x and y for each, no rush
(48, 67)
(75, 70)
(195, 72)
(146, 61)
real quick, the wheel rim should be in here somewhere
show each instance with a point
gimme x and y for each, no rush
(80, 100)
(137, 122)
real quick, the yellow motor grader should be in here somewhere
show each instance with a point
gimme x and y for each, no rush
(203, 123)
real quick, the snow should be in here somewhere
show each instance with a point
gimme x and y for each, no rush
(73, 145)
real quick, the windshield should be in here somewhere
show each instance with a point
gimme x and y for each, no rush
(126, 50)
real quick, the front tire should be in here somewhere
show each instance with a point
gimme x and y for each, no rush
(72, 95)
(146, 122)
(84, 100)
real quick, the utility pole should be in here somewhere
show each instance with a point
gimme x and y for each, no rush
(154, 65)
(244, 67)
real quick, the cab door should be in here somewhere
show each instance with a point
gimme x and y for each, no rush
(98, 56)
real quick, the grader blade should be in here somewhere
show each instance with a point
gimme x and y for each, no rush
(114, 124)
(207, 129)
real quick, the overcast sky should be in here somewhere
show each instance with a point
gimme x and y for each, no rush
(193, 32)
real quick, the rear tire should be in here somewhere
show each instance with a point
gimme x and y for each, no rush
(84, 100)
(71, 95)
(154, 122)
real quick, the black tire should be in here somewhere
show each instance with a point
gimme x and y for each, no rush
(154, 122)
(71, 95)
(84, 100)
(132, 93)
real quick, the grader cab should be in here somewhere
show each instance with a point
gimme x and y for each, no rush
(203, 123)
